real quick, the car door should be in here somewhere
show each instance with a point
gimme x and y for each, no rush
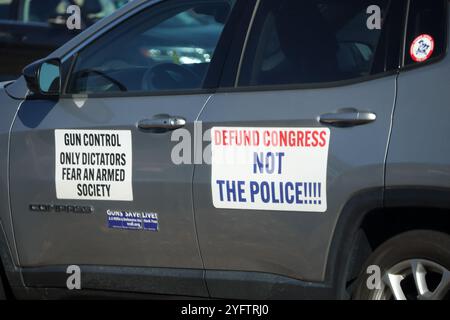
(302, 130)
(93, 180)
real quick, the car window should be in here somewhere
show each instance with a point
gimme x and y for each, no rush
(426, 37)
(166, 47)
(5, 9)
(312, 41)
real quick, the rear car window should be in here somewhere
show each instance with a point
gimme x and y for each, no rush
(426, 33)
(313, 41)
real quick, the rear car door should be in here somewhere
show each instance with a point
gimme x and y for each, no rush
(92, 177)
(418, 151)
(303, 129)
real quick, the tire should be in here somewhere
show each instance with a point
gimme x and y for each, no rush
(412, 266)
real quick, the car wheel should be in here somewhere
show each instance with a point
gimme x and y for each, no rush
(412, 266)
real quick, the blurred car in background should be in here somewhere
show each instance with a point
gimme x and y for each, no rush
(32, 29)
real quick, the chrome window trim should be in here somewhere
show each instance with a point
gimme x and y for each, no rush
(405, 33)
(244, 47)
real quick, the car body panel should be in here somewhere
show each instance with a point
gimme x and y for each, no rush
(294, 244)
(419, 153)
(87, 238)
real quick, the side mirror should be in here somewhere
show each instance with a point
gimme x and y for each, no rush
(44, 77)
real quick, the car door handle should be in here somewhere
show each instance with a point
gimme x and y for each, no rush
(348, 118)
(162, 123)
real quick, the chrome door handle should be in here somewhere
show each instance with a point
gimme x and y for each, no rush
(348, 118)
(162, 123)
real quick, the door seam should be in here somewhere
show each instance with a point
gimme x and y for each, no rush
(192, 192)
(8, 177)
(391, 127)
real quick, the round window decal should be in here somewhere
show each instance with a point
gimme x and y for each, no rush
(422, 48)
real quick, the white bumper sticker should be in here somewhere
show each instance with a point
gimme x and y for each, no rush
(276, 169)
(94, 165)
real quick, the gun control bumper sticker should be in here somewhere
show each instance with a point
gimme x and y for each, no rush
(93, 165)
(276, 169)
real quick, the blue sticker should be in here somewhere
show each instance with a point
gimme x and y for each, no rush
(128, 220)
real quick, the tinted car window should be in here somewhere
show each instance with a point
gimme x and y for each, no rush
(5, 9)
(311, 41)
(426, 19)
(168, 47)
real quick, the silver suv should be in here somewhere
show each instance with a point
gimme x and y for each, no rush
(240, 149)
